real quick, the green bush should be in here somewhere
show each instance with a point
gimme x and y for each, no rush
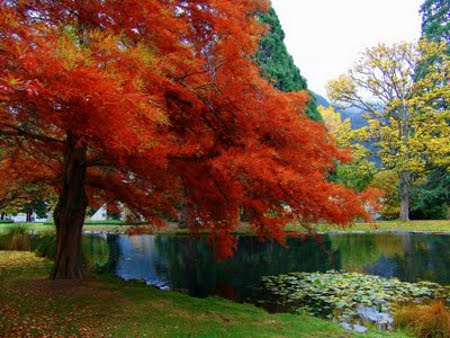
(6, 221)
(17, 238)
(95, 250)
(45, 246)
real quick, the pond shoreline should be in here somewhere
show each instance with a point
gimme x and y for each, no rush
(425, 227)
(104, 305)
(187, 233)
(177, 261)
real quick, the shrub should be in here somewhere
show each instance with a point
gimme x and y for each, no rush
(387, 181)
(426, 321)
(45, 246)
(95, 250)
(17, 238)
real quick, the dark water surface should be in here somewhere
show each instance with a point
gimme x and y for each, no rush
(182, 262)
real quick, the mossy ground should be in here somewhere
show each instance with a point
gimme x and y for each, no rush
(32, 305)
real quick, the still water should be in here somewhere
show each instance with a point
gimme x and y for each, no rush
(185, 263)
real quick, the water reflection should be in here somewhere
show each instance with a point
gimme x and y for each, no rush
(141, 258)
(408, 256)
(96, 252)
(180, 262)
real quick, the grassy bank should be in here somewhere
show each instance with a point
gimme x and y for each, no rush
(32, 305)
(420, 226)
(397, 225)
(47, 227)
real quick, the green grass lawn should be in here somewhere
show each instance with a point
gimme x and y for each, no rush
(47, 227)
(397, 225)
(32, 305)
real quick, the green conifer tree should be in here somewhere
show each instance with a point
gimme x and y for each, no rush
(436, 20)
(278, 65)
(432, 198)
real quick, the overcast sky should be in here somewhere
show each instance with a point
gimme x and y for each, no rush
(325, 37)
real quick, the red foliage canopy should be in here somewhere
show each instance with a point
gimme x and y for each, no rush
(170, 106)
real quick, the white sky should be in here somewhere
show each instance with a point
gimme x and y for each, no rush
(325, 37)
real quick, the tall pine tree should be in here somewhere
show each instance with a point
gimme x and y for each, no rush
(278, 65)
(436, 20)
(431, 199)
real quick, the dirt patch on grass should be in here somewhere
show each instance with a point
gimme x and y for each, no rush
(69, 287)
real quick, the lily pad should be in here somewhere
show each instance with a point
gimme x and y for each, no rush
(340, 294)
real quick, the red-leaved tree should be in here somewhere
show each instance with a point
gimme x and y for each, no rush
(153, 104)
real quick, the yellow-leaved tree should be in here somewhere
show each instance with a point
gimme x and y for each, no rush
(408, 115)
(358, 173)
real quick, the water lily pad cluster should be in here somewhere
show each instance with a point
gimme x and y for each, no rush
(340, 295)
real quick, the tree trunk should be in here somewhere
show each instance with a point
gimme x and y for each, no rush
(405, 190)
(3, 216)
(184, 212)
(183, 217)
(29, 214)
(70, 212)
(247, 215)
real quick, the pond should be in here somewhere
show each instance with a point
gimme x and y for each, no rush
(186, 263)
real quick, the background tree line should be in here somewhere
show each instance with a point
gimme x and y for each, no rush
(403, 93)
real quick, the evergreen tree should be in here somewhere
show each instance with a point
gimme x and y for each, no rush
(435, 27)
(38, 206)
(436, 20)
(278, 65)
(431, 199)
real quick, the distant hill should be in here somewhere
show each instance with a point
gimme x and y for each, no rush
(356, 121)
(320, 100)
(354, 114)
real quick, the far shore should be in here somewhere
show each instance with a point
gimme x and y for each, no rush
(420, 226)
